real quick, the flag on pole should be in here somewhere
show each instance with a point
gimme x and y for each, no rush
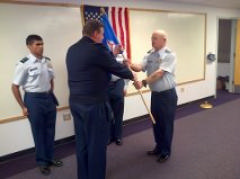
(110, 39)
(116, 24)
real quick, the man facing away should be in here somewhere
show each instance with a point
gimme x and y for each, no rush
(90, 65)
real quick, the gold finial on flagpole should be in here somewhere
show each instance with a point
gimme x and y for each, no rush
(206, 105)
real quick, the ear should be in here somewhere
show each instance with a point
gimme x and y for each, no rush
(95, 34)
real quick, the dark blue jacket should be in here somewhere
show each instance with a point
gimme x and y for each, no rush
(89, 66)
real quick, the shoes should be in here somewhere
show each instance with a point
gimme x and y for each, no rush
(45, 170)
(119, 142)
(153, 152)
(110, 141)
(163, 158)
(56, 163)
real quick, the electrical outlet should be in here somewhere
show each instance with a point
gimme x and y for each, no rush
(67, 117)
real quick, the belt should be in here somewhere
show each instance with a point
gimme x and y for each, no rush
(38, 94)
(166, 91)
(87, 99)
(48, 94)
(115, 81)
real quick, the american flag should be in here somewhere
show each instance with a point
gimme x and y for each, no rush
(118, 18)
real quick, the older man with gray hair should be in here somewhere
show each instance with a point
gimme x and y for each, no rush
(159, 63)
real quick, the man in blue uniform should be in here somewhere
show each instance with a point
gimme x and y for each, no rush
(90, 65)
(117, 91)
(160, 65)
(34, 73)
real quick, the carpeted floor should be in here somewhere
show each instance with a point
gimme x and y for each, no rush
(206, 146)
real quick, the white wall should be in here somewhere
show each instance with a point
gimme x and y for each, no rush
(16, 136)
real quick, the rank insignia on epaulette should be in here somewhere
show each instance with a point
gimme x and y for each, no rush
(167, 51)
(47, 58)
(24, 59)
(149, 51)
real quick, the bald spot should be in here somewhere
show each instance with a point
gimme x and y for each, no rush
(160, 33)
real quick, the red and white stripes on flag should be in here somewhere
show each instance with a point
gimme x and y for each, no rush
(119, 18)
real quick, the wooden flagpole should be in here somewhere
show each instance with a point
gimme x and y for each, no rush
(139, 91)
(144, 101)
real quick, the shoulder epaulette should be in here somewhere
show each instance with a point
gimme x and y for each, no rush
(47, 58)
(149, 51)
(24, 59)
(168, 51)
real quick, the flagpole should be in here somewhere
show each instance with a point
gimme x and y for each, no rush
(146, 106)
(144, 102)
(82, 12)
(102, 11)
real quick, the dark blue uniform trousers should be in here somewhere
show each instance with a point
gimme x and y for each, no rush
(163, 108)
(91, 128)
(116, 100)
(42, 117)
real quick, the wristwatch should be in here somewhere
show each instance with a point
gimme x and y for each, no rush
(144, 82)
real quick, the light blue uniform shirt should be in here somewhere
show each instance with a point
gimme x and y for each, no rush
(114, 78)
(165, 60)
(33, 74)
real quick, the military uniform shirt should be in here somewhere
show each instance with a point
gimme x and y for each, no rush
(165, 60)
(114, 78)
(33, 74)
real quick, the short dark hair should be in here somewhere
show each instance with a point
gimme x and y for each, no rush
(33, 37)
(91, 26)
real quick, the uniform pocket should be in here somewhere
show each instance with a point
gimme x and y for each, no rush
(34, 72)
(32, 75)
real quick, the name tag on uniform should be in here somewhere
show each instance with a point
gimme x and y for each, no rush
(33, 69)
(150, 61)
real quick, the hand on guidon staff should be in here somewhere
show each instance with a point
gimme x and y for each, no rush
(137, 84)
(135, 78)
(126, 62)
(118, 49)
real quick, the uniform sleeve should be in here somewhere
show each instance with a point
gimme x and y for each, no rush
(107, 61)
(50, 70)
(144, 63)
(119, 58)
(126, 82)
(168, 63)
(20, 74)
